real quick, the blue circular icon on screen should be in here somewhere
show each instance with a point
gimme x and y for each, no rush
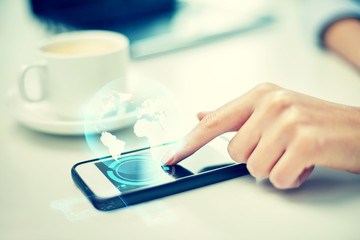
(135, 170)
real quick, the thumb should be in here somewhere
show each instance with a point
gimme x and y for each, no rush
(201, 115)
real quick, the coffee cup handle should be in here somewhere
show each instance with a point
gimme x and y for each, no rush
(21, 80)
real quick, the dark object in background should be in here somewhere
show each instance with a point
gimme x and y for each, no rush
(99, 14)
(155, 26)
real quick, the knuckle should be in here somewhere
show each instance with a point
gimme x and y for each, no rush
(308, 144)
(265, 87)
(277, 102)
(304, 137)
(280, 100)
(291, 120)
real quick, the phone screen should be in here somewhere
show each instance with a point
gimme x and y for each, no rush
(142, 169)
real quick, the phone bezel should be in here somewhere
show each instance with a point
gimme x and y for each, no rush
(97, 181)
(107, 203)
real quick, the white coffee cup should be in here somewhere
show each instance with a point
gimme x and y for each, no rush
(75, 66)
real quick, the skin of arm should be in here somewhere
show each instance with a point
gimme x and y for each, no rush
(343, 37)
(281, 134)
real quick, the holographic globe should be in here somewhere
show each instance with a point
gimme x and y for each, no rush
(144, 114)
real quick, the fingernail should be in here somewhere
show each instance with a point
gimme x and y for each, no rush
(168, 155)
(249, 168)
(169, 162)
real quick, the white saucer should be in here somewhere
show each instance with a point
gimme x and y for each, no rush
(38, 116)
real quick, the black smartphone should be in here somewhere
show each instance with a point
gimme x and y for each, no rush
(138, 176)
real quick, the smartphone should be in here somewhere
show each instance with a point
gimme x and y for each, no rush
(138, 176)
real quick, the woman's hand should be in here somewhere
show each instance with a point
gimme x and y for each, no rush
(281, 134)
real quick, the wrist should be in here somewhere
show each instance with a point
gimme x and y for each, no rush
(343, 37)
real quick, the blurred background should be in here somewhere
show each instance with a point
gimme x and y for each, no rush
(164, 26)
(155, 26)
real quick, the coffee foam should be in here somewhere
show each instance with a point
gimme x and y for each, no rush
(82, 47)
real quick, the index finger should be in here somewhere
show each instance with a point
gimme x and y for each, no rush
(229, 117)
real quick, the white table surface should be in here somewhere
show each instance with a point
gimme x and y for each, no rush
(40, 201)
